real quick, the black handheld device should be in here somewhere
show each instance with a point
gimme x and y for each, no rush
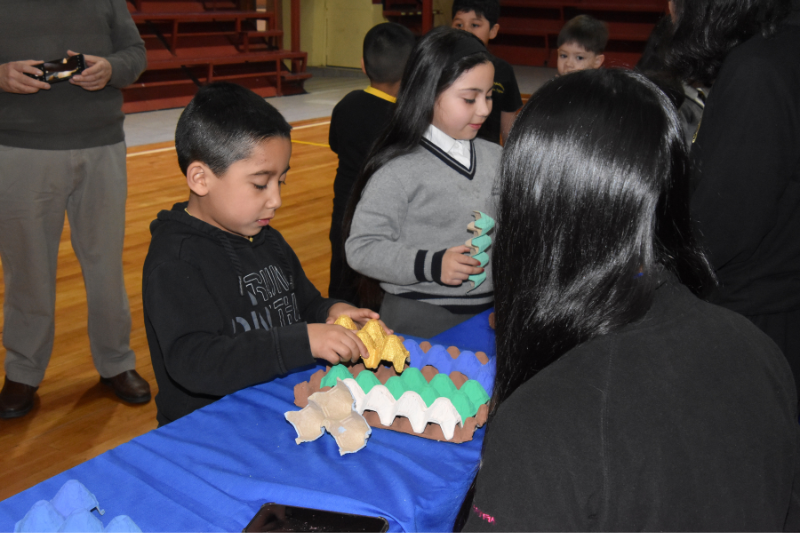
(60, 69)
(276, 517)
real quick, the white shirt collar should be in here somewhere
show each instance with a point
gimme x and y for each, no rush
(457, 149)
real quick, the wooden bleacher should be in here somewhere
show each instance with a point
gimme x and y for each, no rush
(529, 28)
(192, 42)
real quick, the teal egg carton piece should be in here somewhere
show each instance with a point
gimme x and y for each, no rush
(479, 244)
(476, 280)
(367, 380)
(443, 384)
(483, 223)
(474, 392)
(336, 371)
(462, 404)
(483, 257)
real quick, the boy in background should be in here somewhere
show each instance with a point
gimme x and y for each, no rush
(479, 17)
(356, 123)
(226, 302)
(581, 43)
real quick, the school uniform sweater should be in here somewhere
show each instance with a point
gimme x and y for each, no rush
(412, 210)
(685, 420)
(221, 312)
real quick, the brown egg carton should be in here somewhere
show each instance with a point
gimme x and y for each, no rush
(432, 431)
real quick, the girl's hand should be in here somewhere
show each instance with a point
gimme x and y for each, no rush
(335, 344)
(457, 267)
(359, 316)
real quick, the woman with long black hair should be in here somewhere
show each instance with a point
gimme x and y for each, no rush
(622, 400)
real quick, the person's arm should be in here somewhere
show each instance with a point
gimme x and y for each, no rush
(129, 59)
(744, 156)
(333, 139)
(372, 247)
(124, 64)
(197, 352)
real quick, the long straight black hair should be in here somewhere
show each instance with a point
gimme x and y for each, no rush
(429, 72)
(594, 206)
(706, 30)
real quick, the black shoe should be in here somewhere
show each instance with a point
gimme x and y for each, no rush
(129, 386)
(16, 399)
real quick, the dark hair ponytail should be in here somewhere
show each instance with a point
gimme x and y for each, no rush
(429, 72)
(593, 208)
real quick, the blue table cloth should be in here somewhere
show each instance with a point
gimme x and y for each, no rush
(213, 469)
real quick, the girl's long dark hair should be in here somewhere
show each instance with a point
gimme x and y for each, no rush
(706, 30)
(428, 73)
(593, 207)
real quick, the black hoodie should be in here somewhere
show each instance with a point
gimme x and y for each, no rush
(221, 312)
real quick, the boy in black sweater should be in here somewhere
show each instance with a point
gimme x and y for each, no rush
(479, 17)
(226, 302)
(356, 123)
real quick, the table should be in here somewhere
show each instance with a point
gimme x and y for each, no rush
(212, 470)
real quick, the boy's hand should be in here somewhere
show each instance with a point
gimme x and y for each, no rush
(359, 315)
(457, 267)
(335, 344)
(14, 80)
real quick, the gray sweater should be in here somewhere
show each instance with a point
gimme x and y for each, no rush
(66, 116)
(411, 211)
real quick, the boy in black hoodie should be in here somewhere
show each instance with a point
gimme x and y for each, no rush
(226, 302)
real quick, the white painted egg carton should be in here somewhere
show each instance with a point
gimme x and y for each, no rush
(410, 405)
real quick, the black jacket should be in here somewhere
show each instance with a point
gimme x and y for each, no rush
(747, 181)
(683, 421)
(222, 313)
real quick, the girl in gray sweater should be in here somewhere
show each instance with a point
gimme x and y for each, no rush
(418, 191)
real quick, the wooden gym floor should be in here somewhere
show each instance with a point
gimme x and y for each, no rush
(76, 418)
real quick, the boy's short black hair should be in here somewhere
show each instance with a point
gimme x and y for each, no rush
(488, 9)
(222, 123)
(586, 31)
(386, 50)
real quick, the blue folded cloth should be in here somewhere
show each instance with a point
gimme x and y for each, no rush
(71, 510)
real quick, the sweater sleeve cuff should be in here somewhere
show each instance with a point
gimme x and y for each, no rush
(436, 266)
(419, 265)
(293, 347)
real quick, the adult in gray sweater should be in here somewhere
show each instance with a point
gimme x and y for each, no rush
(417, 193)
(62, 149)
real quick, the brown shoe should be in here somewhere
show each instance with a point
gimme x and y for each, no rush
(129, 386)
(16, 399)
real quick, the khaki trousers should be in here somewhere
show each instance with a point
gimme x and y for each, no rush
(36, 188)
